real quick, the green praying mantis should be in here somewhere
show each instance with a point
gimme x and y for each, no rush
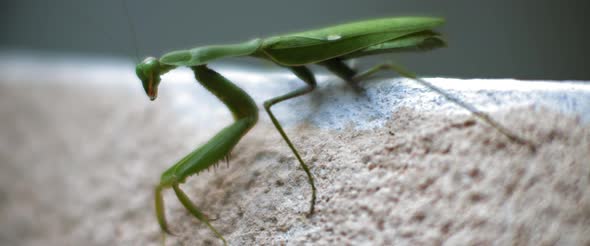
(328, 47)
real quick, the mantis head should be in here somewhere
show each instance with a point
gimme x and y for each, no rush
(148, 71)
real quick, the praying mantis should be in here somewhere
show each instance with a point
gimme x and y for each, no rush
(328, 47)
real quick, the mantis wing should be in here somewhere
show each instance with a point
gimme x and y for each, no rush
(421, 41)
(326, 43)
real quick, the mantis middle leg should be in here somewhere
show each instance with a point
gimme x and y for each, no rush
(343, 71)
(304, 74)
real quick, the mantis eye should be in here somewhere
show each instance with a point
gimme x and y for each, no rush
(148, 71)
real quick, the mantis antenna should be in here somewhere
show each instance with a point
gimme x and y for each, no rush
(131, 29)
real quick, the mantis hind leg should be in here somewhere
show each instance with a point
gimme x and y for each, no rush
(304, 74)
(479, 114)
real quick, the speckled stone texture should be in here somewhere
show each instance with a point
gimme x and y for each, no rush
(79, 169)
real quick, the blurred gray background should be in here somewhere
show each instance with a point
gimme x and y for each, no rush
(532, 39)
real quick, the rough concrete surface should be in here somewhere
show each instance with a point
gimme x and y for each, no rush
(77, 168)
